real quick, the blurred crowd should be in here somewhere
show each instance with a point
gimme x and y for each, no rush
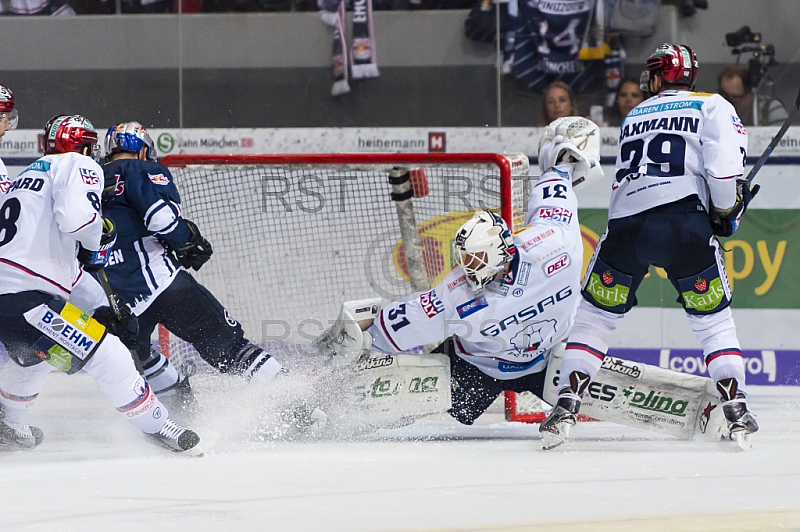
(109, 7)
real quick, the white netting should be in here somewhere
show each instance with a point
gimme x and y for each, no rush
(292, 242)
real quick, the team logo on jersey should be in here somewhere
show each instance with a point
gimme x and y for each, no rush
(528, 340)
(158, 179)
(5, 182)
(430, 303)
(557, 214)
(89, 176)
(538, 239)
(737, 125)
(555, 265)
(471, 307)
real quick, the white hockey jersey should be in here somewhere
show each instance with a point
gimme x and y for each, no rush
(676, 144)
(5, 180)
(508, 330)
(48, 209)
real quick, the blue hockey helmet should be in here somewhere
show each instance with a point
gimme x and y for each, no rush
(131, 137)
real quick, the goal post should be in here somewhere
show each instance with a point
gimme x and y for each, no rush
(296, 235)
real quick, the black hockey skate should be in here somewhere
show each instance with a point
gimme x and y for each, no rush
(741, 422)
(556, 427)
(179, 400)
(27, 437)
(177, 439)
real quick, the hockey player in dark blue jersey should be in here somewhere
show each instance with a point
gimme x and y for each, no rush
(155, 246)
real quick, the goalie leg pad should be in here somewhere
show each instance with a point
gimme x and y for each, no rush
(644, 396)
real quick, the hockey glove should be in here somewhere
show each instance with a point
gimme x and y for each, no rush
(196, 252)
(94, 261)
(125, 327)
(725, 223)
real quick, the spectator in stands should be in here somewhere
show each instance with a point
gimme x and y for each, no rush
(628, 96)
(558, 101)
(47, 7)
(754, 109)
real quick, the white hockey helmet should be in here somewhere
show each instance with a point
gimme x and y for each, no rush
(572, 139)
(482, 247)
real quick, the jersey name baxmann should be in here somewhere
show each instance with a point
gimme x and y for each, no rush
(675, 123)
(527, 313)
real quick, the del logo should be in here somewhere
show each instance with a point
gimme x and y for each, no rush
(557, 264)
(437, 141)
(89, 176)
(471, 307)
(158, 179)
(430, 303)
(70, 334)
(557, 214)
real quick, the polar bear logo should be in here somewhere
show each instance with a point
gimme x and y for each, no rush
(527, 341)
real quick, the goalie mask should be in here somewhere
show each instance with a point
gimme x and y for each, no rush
(574, 140)
(7, 108)
(130, 137)
(482, 247)
(68, 133)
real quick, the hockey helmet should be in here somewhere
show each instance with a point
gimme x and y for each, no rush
(7, 108)
(68, 133)
(482, 246)
(129, 137)
(673, 63)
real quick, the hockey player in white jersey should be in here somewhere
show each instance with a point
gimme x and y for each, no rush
(51, 216)
(677, 187)
(8, 121)
(511, 298)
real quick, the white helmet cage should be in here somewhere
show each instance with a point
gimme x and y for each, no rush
(482, 247)
(572, 139)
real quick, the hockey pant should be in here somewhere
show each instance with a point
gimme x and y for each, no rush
(473, 391)
(678, 238)
(110, 365)
(188, 310)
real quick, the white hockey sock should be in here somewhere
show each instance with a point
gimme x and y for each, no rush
(723, 356)
(113, 370)
(263, 368)
(160, 374)
(19, 388)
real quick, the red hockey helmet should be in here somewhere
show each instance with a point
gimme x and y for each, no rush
(7, 106)
(66, 133)
(673, 63)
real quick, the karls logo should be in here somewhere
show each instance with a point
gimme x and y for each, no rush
(437, 141)
(430, 303)
(556, 265)
(764, 364)
(527, 313)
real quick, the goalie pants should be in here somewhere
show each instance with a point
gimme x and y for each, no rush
(188, 310)
(677, 237)
(473, 391)
(111, 367)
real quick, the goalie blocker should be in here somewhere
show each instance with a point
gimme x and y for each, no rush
(395, 389)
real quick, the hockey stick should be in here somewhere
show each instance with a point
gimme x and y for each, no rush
(775, 140)
(113, 300)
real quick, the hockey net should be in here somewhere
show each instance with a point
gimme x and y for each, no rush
(296, 235)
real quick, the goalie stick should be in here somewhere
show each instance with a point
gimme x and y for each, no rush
(775, 140)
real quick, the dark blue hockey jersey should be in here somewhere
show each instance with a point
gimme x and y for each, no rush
(146, 210)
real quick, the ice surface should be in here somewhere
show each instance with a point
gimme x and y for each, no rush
(94, 472)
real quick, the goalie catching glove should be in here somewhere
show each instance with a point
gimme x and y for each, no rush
(725, 222)
(346, 338)
(196, 251)
(94, 261)
(574, 140)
